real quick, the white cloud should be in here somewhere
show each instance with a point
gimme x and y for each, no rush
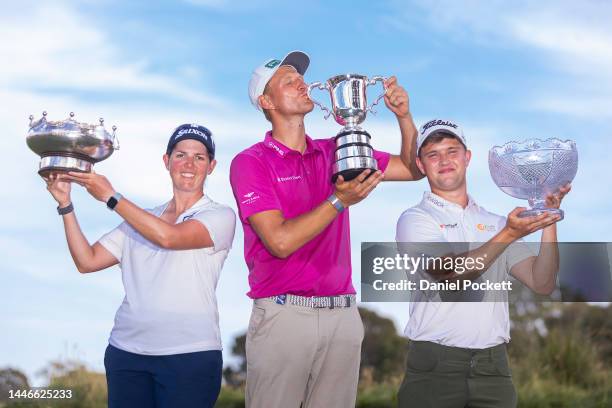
(56, 49)
(584, 47)
(568, 37)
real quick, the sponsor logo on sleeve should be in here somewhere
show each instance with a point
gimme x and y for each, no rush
(250, 198)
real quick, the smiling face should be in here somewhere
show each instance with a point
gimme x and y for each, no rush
(189, 165)
(444, 160)
(286, 93)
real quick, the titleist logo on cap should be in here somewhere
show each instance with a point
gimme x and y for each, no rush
(438, 122)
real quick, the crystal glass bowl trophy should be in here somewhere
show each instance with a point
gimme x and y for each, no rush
(353, 153)
(533, 169)
(67, 145)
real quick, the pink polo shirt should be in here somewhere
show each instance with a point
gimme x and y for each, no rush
(271, 176)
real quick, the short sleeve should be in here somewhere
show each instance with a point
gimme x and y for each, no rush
(221, 224)
(416, 226)
(114, 241)
(418, 234)
(517, 251)
(382, 158)
(252, 186)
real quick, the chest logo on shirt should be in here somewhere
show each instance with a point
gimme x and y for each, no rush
(288, 178)
(485, 227)
(448, 226)
(250, 198)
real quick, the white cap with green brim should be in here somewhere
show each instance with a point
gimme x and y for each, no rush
(262, 74)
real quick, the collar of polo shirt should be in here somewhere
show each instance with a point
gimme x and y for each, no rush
(439, 202)
(282, 150)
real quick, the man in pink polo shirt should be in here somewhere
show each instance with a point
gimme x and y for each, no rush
(304, 336)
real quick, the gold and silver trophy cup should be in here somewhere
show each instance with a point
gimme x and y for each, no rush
(532, 169)
(67, 145)
(354, 153)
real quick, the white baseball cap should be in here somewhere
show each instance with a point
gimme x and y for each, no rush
(262, 74)
(439, 126)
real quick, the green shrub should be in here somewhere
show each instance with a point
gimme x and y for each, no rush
(230, 398)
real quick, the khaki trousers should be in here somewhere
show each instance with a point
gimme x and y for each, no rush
(300, 356)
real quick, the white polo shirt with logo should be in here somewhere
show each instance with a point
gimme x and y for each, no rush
(459, 324)
(170, 306)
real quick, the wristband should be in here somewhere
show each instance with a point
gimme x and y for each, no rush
(65, 210)
(335, 201)
(113, 201)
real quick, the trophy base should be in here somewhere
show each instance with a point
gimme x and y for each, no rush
(533, 212)
(58, 163)
(351, 167)
(353, 154)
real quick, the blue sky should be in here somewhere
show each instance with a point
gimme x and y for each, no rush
(504, 70)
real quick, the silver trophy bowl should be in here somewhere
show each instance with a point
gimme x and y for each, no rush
(68, 145)
(533, 169)
(354, 153)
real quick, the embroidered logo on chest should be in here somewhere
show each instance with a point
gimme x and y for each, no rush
(448, 226)
(485, 227)
(288, 178)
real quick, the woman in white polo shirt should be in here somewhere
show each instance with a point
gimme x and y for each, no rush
(165, 346)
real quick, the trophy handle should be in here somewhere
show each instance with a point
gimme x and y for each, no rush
(372, 81)
(115, 140)
(322, 87)
(116, 144)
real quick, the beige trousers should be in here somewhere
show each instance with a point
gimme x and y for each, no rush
(299, 356)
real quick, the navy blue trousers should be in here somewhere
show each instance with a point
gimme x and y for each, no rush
(180, 380)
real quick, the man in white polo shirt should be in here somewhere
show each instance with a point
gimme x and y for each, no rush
(457, 350)
(165, 346)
